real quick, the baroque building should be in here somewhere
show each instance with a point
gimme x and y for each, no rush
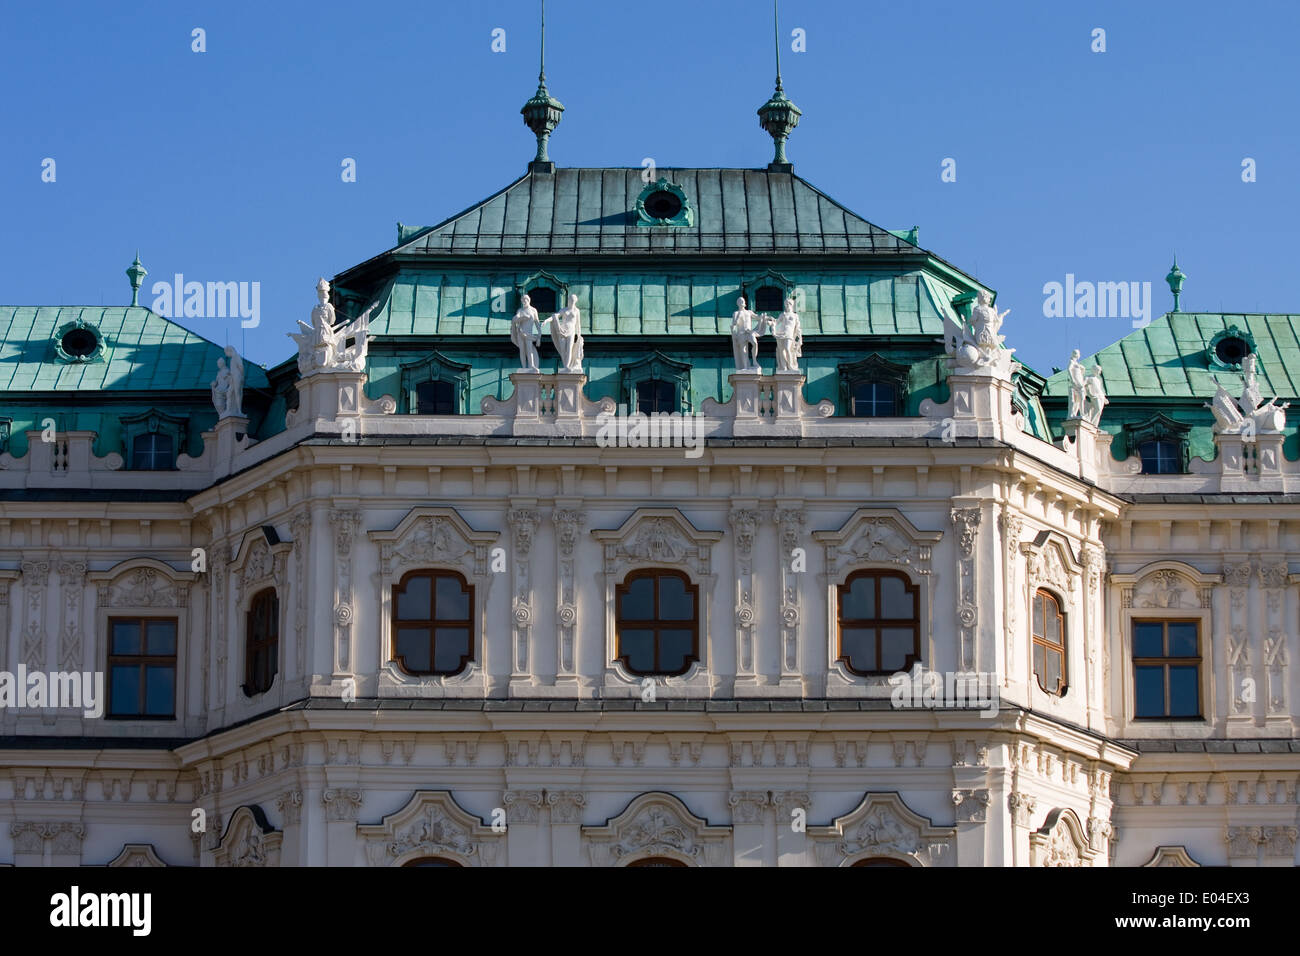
(532, 557)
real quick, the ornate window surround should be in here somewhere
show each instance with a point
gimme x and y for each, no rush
(1159, 591)
(874, 539)
(145, 588)
(259, 563)
(659, 538)
(656, 365)
(1050, 564)
(685, 216)
(249, 840)
(1170, 856)
(154, 421)
(873, 368)
(433, 824)
(1212, 350)
(137, 854)
(1159, 427)
(1061, 841)
(657, 824)
(883, 825)
(546, 279)
(434, 367)
(433, 538)
(770, 277)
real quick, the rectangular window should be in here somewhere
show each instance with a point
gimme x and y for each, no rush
(1167, 670)
(436, 398)
(142, 668)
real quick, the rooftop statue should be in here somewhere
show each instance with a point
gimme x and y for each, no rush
(788, 332)
(746, 326)
(1094, 400)
(1078, 375)
(525, 333)
(977, 347)
(323, 347)
(228, 386)
(1250, 414)
(566, 333)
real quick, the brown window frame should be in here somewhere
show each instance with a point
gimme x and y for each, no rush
(1165, 662)
(433, 623)
(878, 623)
(655, 625)
(1041, 640)
(268, 644)
(142, 660)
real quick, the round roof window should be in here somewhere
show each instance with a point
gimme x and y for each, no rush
(1231, 350)
(79, 343)
(662, 204)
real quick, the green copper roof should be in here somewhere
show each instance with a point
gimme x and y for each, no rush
(1167, 359)
(141, 351)
(592, 210)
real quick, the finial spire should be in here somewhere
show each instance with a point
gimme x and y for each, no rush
(1175, 280)
(542, 113)
(778, 115)
(136, 274)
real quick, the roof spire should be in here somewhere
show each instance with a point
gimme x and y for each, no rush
(1175, 280)
(542, 112)
(136, 274)
(778, 115)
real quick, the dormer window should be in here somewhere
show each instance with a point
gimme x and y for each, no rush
(769, 298)
(435, 398)
(663, 203)
(873, 388)
(1228, 348)
(874, 400)
(655, 395)
(1160, 442)
(1232, 350)
(152, 451)
(78, 342)
(1160, 458)
(543, 300)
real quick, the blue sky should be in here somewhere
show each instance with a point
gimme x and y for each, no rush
(225, 165)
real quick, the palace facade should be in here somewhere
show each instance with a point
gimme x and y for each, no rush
(404, 599)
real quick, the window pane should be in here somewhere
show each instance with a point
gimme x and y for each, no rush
(435, 398)
(1053, 670)
(674, 649)
(451, 649)
(859, 646)
(161, 636)
(896, 643)
(1182, 639)
(1150, 691)
(1148, 639)
(413, 647)
(895, 602)
(1040, 656)
(160, 689)
(1184, 700)
(126, 637)
(452, 600)
(675, 602)
(1053, 621)
(638, 602)
(413, 601)
(859, 600)
(655, 395)
(1038, 615)
(637, 647)
(125, 689)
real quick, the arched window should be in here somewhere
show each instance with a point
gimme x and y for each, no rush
(881, 861)
(879, 622)
(657, 861)
(657, 622)
(261, 642)
(1161, 458)
(654, 395)
(433, 622)
(432, 861)
(1049, 643)
(151, 451)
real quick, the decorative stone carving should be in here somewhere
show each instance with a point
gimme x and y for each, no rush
(142, 583)
(431, 824)
(322, 347)
(566, 806)
(1094, 396)
(744, 522)
(289, 804)
(525, 333)
(566, 334)
(299, 528)
(1166, 856)
(1077, 374)
(228, 387)
(249, 840)
(1060, 841)
(522, 806)
(882, 825)
(977, 347)
(523, 524)
(745, 330)
(971, 805)
(967, 522)
(137, 854)
(748, 806)
(567, 521)
(72, 581)
(345, 524)
(790, 521)
(657, 824)
(788, 332)
(1249, 415)
(341, 803)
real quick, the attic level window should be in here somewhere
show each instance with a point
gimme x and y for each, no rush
(769, 298)
(543, 300)
(151, 452)
(874, 400)
(1231, 350)
(79, 343)
(663, 204)
(654, 396)
(435, 398)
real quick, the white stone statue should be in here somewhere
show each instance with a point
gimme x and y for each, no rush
(323, 347)
(978, 348)
(1250, 412)
(221, 389)
(1077, 375)
(525, 333)
(566, 333)
(788, 332)
(745, 330)
(1094, 399)
(235, 393)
